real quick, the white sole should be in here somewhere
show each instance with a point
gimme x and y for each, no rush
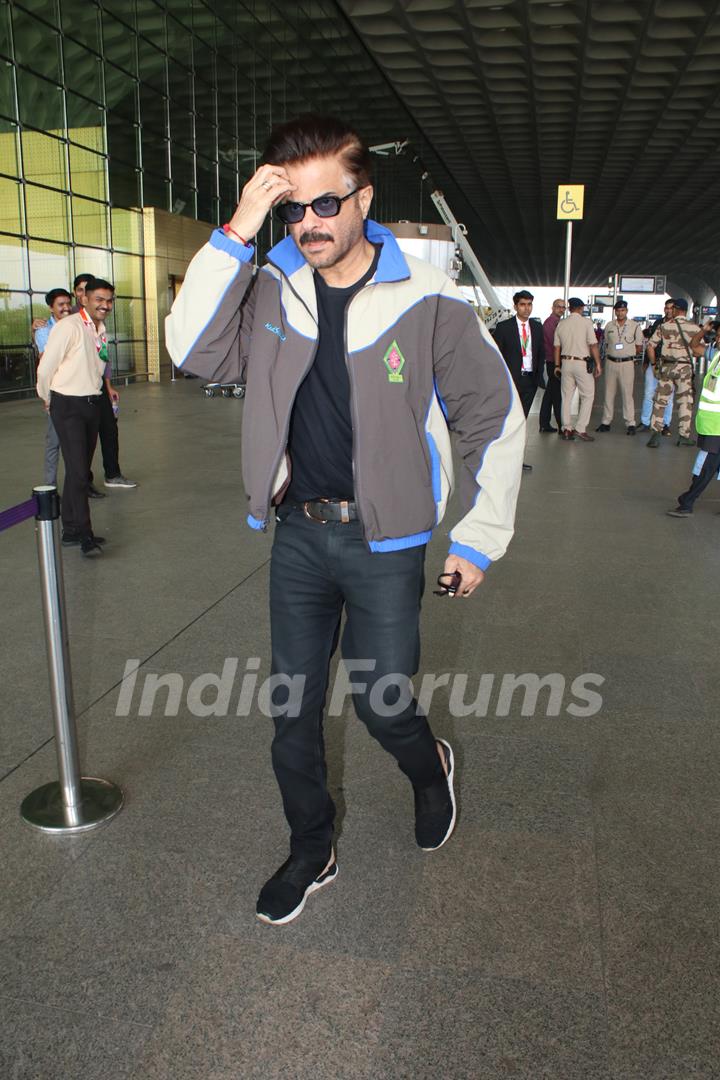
(451, 788)
(314, 887)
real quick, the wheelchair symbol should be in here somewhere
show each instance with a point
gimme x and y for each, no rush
(568, 205)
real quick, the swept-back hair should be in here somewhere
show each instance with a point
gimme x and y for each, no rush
(312, 136)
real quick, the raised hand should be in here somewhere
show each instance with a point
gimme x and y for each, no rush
(267, 187)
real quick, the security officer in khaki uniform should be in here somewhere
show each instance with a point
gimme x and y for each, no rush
(623, 344)
(674, 370)
(574, 344)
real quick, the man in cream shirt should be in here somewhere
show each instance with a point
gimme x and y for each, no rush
(623, 345)
(69, 380)
(573, 345)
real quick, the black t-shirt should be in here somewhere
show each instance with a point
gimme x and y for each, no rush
(320, 442)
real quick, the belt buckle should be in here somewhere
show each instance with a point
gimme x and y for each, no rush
(344, 511)
(311, 517)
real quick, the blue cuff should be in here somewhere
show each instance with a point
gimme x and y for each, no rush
(256, 523)
(223, 242)
(475, 557)
(401, 543)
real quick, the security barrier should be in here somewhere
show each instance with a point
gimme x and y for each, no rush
(74, 803)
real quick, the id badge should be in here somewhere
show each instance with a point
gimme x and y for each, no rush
(712, 384)
(619, 347)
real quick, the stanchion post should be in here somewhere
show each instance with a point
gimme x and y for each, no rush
(75, 803)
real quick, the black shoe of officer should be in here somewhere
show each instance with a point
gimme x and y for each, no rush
(603, 427)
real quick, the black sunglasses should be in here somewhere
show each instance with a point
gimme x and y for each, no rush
(290, 213)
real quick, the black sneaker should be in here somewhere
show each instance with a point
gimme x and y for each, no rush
(71, 540)
(630, 430)
(435, 809)
(603, 427)
(283, 897)
(93, 493)
(678, 512)
(90, 546)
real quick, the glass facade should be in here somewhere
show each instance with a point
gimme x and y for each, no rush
(113, 106)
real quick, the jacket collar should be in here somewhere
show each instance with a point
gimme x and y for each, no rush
(391, 265)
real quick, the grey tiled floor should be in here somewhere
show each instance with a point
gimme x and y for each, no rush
(569, 930)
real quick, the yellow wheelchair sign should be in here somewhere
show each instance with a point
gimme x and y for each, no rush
(570, 202)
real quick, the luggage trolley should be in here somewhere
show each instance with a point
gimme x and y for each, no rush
(236, 390)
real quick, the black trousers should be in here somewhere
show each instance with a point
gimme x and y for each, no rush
(708, 472)
(317, 570)
(109, 440)
(76, 421)
(526, 388)
(552, 399)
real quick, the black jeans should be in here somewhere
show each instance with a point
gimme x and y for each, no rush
(552, 399)
(315, 571)
(708, 472)
(76, 421)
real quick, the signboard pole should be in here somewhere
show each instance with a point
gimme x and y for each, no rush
(568, 258)
(570, 203)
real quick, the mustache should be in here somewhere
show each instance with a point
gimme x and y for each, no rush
(313, 237)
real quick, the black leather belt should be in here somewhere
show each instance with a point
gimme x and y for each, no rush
(580, 358)
(326, 510)
(92, 398)
(620, 359)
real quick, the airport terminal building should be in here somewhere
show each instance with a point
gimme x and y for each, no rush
(569, 928)
(127, 131)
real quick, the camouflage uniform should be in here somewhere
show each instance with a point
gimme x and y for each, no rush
(674, 371)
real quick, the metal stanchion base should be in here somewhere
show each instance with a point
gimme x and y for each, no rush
(44, 808)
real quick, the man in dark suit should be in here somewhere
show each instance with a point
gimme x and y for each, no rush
(520, 340)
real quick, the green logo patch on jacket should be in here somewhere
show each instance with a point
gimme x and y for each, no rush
(394, 362)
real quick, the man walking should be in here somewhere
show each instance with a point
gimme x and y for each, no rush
(577, 359)
(623, 344)
(69, 380)
(552, 398)
(520, 340)
(674, 372)
(353, 355)
(707, 421)
(59, 301)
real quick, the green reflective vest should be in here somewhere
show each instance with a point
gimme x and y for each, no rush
(707, 420)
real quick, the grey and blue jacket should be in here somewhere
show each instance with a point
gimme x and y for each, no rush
(421, 365)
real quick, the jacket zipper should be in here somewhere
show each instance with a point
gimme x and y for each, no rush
(286, 431)
(353, 408)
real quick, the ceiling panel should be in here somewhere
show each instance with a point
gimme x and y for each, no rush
(515, 98)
